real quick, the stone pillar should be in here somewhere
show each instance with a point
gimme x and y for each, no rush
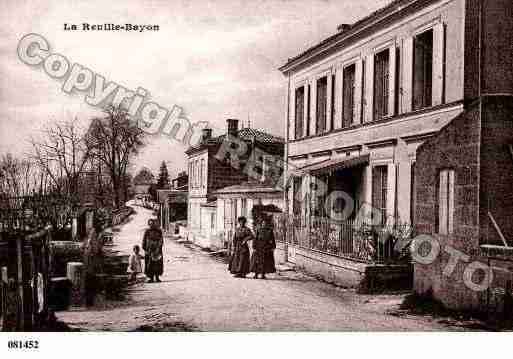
(76, 274)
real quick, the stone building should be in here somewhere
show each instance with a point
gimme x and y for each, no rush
(213, 165)
(360, 103)
(464, 174)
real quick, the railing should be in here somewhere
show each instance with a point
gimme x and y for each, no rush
(349, 239)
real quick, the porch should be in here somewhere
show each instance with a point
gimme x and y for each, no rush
(343, 225)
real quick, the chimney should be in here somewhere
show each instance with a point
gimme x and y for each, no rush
(232, 126)
(206, 134)
(343, 27)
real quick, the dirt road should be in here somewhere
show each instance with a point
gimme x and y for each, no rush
(198, 293)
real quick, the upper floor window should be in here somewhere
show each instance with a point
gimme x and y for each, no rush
(322, 100)
(308, 111)
(348, 95)
(423, 70)
(446, 202)
(333, 96)
(203, 173)
(381, 83)
(299, 111)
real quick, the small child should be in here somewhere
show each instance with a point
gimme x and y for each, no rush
(134, 264)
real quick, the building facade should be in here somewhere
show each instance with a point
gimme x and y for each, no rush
(464, 182)
(239, 200)
(214, 164)
(361, 102)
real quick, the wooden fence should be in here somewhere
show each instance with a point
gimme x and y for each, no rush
(25, 267)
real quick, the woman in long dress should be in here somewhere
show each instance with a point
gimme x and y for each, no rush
(262, 259)
(239, 261)
(153, 258)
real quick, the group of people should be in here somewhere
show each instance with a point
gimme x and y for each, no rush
(261, 261)
(153, 258)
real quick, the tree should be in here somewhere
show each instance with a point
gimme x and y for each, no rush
(114, 140)
(62, 155)
(144, 177)
(163, 181)
(18, 177)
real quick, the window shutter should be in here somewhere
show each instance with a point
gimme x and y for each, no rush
(407, 82)
(438, 63)
(442, 203)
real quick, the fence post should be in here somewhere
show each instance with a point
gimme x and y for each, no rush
(19, 255)
(3, 295)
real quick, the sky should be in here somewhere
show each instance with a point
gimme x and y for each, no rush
(215, 59)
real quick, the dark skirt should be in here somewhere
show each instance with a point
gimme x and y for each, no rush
(239, 261)
(153, 268)
(262, 261)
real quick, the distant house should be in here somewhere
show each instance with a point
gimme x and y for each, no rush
(141, 186)
(239, 200)
(211, 168)
(173, 203)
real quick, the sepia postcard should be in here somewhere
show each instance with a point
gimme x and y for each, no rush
(255, 166)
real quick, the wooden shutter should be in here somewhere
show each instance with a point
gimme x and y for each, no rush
(299, 111)
(349, 95)
(322, 89)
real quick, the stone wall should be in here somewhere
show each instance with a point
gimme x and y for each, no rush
(456, 147)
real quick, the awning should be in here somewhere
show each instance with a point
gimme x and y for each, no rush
(331, 165)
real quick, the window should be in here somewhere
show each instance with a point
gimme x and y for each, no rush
(196, 173)
(299, 111)
(333, 97)
(397, 93)
(379, 191)
(244, 207)
(446, 202)
(363, 104)
(213, 221)
(423, 70)
(203, 174)
(381, 84)
(322, 96)
(308, 113)
(348, 95)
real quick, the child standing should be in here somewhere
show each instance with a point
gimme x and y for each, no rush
(134, 263)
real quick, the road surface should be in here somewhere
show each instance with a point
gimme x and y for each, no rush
(198, 293)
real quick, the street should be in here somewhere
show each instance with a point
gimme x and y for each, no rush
(198, 293)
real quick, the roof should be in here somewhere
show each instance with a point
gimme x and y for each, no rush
(332, 164)
(246, 134)
(249, 187)
(209, 204)
(349, 31)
